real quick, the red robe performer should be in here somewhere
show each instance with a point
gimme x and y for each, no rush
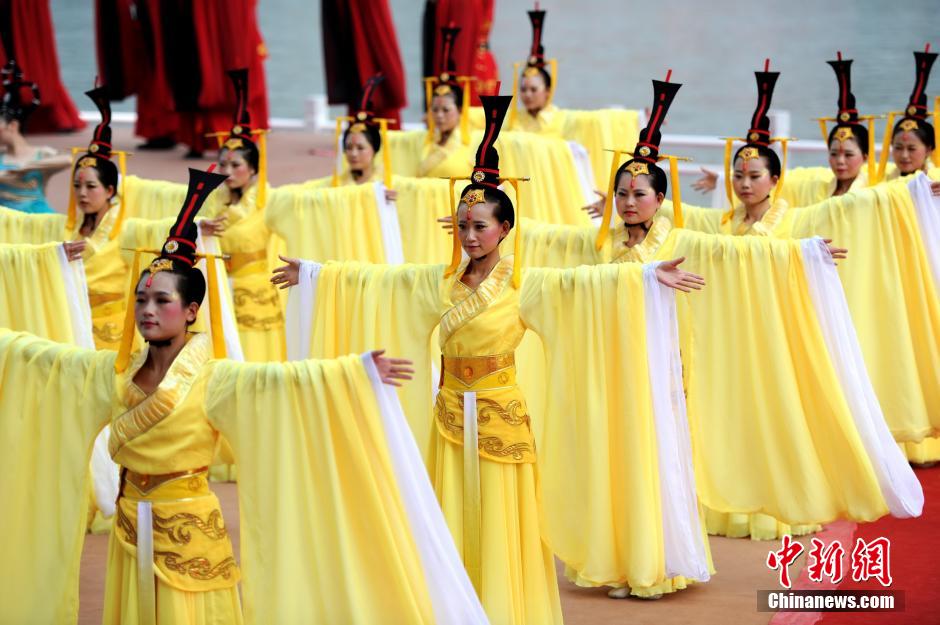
(157, 121)
(471, 54)
(359, 41)
(222, 35)
(27, 31)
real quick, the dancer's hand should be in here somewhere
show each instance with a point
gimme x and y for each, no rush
(597, 208)
(74, 249)
(286, 275)
(212, 227)
(707, 182)
(391, 195)
(837, 253)
(669, 274)
(447, 223)
(392, 369)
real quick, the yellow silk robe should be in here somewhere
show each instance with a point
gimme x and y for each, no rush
(891, 293)
(400, 306)
(248, 243)
(556, 193)
(318, 491)
(105, 271)
(736, 401)
(596, 130)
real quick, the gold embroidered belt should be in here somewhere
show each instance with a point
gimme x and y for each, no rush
(97, 299)
(238, 260)
(146, 484)
(480, 408)
(470, 371)
(176, 533)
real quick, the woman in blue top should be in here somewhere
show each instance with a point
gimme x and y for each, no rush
(24, 169)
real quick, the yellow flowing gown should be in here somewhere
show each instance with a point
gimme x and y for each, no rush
(597, 130)
(321, 492)
(891, 292)
(105, 271)
(558, 193)
(527, 502)
(248, 243)
(742, 270)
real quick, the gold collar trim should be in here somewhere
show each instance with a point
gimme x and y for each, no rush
(645, 250)
(764, 227)
(158, 405)
(478, 300)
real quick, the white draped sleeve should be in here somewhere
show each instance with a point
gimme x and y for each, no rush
(682, 530)
(899, 486)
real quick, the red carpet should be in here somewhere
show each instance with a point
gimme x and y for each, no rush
(915, 546)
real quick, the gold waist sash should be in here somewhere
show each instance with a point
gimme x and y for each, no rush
(176, 533)
(98, 299)
(470, 371)
(174, 486)
(480, 407)
(238, 260)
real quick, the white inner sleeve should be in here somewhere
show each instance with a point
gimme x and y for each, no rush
(233, 344)
(682, 530)
(582, 165)
(452, 595)
(899, 486)
(391, 231)
(928, 217)
(301, 301)
(105, 475)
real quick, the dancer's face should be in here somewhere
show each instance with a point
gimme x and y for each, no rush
(637, 201)
(752, 181)
(358, 151)
(445, 113)
(159, 310)
(845, 159)
(480, 233)
(909, 152)
(91, 196)
(232, 163)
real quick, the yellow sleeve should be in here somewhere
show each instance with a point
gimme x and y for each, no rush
(152, 199)
(363, 307)
(893, 298)
(421, 201)
(771, 428)
(19, 227)
(803, 186)
(35, 294)
(555, 245)
(327, 223)
(600, 130)
(698, 218)
(599, 427)
(554, 193)
(407, 148)
(317, 495)
(54, 399)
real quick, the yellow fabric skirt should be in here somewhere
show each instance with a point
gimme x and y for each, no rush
(673, 584)
(518, 570)
(174, 606)
(259, 315)
(928, 450)
(756, 525)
